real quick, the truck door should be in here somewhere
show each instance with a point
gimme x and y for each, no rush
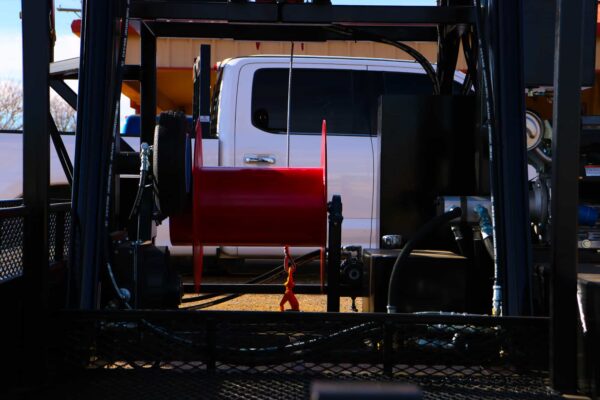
(319, 91)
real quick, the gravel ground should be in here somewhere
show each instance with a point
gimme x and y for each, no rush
(308, 273)
(270, 302)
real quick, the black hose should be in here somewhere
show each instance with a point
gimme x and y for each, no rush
(425, 230)
(420, 58)
(470, 56)
(277, 271)
(138, 196)
(272, 274)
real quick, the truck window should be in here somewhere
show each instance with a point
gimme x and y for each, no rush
(347, 99)
(397, 83)
(214, 105)
(317, 94)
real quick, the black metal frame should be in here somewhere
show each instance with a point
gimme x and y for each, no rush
(36, 178)
(509, 155)
(565, 194)
(97, 78)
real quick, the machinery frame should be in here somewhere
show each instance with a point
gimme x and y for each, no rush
(100, 76)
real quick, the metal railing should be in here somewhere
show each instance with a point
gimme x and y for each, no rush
(12, 215)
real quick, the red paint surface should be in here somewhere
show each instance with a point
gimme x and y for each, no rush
(253, 207)
(256, 207)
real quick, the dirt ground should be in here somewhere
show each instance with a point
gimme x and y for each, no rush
(270, 302)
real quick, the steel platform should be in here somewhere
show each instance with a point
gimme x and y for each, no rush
(262, 355)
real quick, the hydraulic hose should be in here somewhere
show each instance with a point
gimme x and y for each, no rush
(425, 231)
(487, 231)
(277, 271)
(459, 239)
(144, 168)
(418, 57)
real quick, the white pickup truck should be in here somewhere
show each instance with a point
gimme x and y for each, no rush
(249, 116)
(248, 126)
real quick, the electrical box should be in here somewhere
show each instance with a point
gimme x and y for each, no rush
(431, 281)
(428, 148)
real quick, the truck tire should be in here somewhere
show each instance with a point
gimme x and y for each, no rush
(168, 164)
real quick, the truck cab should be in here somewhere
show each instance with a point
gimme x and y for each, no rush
(249, 122)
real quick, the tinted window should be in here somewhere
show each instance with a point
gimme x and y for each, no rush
(396, 83)
(317, 94)
(346, 99)
(214, 105)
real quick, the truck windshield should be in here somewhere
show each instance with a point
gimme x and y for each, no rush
(214, 105)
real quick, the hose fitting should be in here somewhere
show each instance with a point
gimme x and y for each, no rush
(145, 151)
(485, 222)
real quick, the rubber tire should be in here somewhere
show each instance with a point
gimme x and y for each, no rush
(168, 162)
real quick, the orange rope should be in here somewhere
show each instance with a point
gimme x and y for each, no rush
(289, 296)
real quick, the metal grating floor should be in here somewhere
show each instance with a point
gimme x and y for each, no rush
(237, 355)
(149, 385)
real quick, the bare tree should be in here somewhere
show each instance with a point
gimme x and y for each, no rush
(62, 113)
(11, 109)
(11, 105)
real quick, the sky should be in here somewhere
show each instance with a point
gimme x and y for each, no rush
(67, 44)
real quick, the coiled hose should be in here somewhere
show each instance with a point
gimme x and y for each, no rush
(425, 231)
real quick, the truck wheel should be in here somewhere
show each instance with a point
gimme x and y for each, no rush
(169, 162)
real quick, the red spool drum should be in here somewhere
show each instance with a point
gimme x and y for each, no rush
(254, 207)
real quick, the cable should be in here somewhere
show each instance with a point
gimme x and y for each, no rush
(425, 230)
(144, 168)
(490, 123)
(471, 66)
(420, 58)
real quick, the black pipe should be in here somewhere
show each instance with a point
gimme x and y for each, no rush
(425, 230)
(138, 196)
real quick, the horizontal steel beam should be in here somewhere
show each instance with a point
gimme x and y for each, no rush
(203, 10)
(194, 317)
(12, 212)
(132, 72)
(65, 69)
(290, 32)
(244, 288)
(69, 69)
(190, 11)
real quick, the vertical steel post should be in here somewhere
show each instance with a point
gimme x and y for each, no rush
(95, 123)
(509, 154)
(334, 254)
(148, 85)
(565, 172)
(36, 178)
(204, 95)
(148, 121)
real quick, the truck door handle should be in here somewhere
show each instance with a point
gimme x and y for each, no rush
(252, 159)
